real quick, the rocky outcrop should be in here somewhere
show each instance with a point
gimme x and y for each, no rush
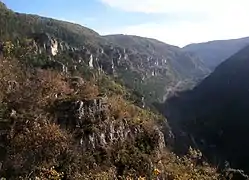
(109, 58)
(74, 114)
(93, 128)
(235, 174)
(152, 67)
(47, 43)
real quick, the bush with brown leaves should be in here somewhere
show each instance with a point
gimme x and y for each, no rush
(34, 144)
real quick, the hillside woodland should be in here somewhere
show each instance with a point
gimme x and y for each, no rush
(66, 111)
(148, 67)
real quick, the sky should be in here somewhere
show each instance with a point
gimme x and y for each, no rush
(176, 22)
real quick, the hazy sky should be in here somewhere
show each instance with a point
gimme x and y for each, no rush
(177, 22)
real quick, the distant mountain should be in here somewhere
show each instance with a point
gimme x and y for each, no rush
(149, 67)
(184, 64)
(214, 115)
(214, 52)
(169, 67)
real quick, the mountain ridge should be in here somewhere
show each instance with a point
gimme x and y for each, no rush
(146, 66)
(214, 52)
(65, 113)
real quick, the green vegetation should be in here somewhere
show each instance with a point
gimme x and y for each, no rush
(18, 25)
(180, 64)
(83, 123)
(38, 147)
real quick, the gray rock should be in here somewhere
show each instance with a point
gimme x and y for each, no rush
(90, 123)
(47, 43)
(235, 174)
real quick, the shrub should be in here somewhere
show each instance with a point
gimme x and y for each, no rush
(38, 148)
(34, 144)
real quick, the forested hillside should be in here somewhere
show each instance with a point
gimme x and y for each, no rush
(148, 67)
(66, 113)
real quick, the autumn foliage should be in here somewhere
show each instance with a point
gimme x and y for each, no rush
(36, 147)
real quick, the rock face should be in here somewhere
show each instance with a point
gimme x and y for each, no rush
(158, 56)
(92, 126)
(155, 67)
(81, 112)
(145, 65)
(48, 43)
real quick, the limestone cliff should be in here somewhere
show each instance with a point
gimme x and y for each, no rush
(92, 125)
(144, 65)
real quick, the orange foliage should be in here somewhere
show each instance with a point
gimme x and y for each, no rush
(120, 108)
(52, 84)
(10, 74)
(25, 90)
(35, 144)
(87, 90)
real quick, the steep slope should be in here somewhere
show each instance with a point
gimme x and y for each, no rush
(152, 72)
(16, 25)
(214, 52)
(183, 63)
(63, 118)
(214, 115)
(171, 68)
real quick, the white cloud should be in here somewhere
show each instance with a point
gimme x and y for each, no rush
(173, 6)
(225, 19)
(183, 33)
